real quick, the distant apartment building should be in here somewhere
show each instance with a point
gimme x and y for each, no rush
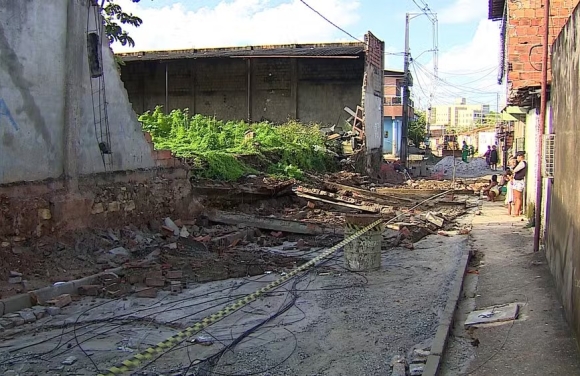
(459, 116)
(393, 83)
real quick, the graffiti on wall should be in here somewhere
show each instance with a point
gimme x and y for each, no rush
(5, 113)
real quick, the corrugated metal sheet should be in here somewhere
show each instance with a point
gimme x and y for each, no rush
(316, 50)
(496, 9)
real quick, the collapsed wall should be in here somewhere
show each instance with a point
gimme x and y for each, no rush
(47, 122)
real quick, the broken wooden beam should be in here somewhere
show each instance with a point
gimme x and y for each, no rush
(364, 208)
(273, 224)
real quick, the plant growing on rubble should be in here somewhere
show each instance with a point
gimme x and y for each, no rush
(115, 21)
(220, 149)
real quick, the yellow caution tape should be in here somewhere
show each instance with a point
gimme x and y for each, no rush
(137, 359)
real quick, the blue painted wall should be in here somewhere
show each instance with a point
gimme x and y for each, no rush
(392, 143)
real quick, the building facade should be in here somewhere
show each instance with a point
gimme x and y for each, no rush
(523, 28)
(459, 116)
(393, 82)
(522, 25)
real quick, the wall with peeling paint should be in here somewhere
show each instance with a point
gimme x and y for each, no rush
(563, 226)
(46, 114)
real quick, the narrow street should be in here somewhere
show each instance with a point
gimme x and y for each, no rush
(505, 270)
(289, 187)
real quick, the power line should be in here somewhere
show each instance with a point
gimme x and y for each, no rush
(330, 22)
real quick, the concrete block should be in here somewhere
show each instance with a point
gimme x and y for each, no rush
(28, 315)
(6, 324)
(14, 280)
(60, 301)
(154, 274)
(114, 206)
(155, 282)
(52, 311)
(98, 208)
(146, 292)
(39, 312)
(134, 278)
(174, 274)
(17, 321)
(89, 290)
(129, 205)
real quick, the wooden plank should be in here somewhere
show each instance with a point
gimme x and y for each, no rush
(365, 208)
(273, 224)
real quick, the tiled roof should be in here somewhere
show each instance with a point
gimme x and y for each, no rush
(311, 50)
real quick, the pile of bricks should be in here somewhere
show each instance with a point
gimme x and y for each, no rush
(163, 158)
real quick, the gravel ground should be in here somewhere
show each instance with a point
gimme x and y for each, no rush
(341, 323)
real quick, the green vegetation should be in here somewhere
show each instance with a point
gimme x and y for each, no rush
(418, 128)
(229, 150)
(116, 20)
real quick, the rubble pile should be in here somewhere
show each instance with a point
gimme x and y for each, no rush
(475, 167)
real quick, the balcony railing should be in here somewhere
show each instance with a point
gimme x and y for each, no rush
(397, 101)
(393, 101)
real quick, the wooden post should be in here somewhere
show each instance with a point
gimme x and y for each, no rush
(249, 87)
(363, 253)
(294, 88)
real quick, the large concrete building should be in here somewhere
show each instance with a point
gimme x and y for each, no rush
(460, 115)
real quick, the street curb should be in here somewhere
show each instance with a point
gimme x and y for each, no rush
(40, 296)
(440, 341)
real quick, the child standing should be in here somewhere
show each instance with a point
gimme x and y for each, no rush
(493, 158)
(509, 195)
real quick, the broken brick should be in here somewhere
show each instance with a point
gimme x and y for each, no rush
(405, 232)
(134, 278)
(154, 274)
(89, 290)
(174, 274)
(146, 292)
(60, 301)
(155, 282)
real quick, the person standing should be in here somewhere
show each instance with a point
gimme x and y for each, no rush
(518, 182)
(487, 154)
(464, 152)
(493, 158)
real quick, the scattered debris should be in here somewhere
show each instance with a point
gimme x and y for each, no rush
(506, 312)
(69, 361)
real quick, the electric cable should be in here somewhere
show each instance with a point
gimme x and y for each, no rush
(330, 22)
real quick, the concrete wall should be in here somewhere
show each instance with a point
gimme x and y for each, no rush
(46, 117)
(307, 89)
(563, 232)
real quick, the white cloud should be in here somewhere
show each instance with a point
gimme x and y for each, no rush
(463, 11)
(238, 23)
(469, 70)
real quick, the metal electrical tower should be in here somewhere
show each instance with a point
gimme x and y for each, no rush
(408, 82)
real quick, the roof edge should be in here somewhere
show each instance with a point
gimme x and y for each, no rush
(240, 48)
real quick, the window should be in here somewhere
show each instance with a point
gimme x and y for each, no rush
(548, 156)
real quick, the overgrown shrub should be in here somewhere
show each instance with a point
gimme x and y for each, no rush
(215, 146)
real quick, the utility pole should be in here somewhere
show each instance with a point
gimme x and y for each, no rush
(404, 154)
